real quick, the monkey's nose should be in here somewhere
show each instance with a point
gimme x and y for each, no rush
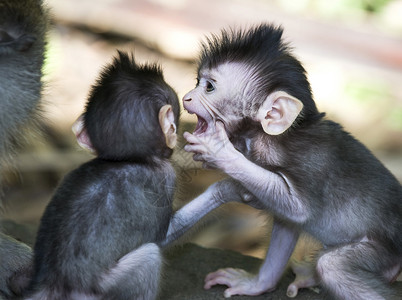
(187, 99)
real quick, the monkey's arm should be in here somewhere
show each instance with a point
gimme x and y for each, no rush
(217, 194)
(274, 190)
(240, 282)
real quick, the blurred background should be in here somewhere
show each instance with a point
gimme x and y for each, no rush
(352, 50)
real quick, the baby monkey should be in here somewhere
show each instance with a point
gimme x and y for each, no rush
(259, 124)
(99, 236)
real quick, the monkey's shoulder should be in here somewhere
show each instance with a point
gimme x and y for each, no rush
(326, 137)
(324, 147)
(328, 150)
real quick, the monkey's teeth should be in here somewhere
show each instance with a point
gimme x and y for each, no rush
(201, 127)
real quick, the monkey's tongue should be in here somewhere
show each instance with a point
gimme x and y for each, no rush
(201, 127)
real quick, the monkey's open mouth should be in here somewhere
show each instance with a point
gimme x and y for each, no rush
(201, 127)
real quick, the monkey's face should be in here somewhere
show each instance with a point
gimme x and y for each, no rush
(219, 95)
(230, 93)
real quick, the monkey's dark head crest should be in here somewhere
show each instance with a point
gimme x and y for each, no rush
(263, 53)
(251, 46)
(121, 115)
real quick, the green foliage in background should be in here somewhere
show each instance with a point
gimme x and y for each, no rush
(335, 7)
(375, 96)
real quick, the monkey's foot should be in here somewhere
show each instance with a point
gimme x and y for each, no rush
(305, 277)
(239, 282)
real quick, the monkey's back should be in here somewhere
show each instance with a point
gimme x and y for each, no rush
(345, 178)
(101, 211)
(349, 188)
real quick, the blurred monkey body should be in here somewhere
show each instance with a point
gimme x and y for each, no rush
(23, 26)
(99, 235)
(258, 123)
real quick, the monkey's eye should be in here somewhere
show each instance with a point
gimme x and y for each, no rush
(209, 87)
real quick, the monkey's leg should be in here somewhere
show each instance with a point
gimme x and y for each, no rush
(135, 276)
(358, 271)
(15, 266)
(240, 282)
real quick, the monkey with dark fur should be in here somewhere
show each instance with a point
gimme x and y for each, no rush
(23, 26)
(99, 236)
(258, 123)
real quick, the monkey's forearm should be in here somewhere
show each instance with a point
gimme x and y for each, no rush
(274, 190)
(186, 217)
(190, 214)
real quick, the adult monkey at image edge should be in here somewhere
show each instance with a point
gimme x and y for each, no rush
(23, 26)
(258, 123)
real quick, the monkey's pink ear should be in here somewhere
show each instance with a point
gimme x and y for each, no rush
(168, 125)
(81, 134)
(278, 112)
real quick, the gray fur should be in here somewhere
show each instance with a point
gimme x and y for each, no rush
(23, 26)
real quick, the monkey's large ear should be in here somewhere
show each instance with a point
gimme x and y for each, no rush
(81, 134)
(168, 125)
(278, 112)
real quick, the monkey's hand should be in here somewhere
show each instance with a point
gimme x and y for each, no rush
(214, 150)
(239, 282)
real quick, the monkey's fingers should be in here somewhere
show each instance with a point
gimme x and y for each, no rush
(222, 276)
(198, 157)
(195, 148)
(205, 164)
(208, 166)
(239, 282)
(190, 138)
